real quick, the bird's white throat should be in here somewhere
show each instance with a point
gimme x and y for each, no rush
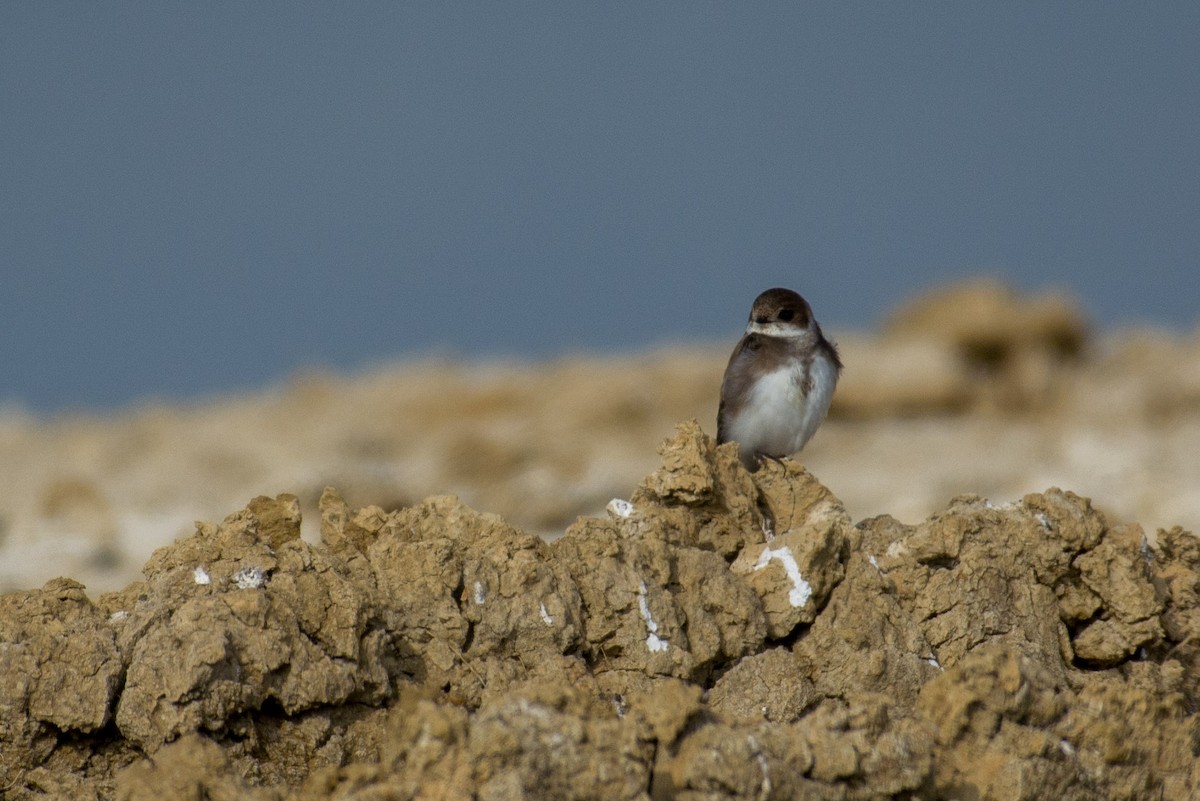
(778, 329)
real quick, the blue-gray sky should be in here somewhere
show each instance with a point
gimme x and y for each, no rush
(203, 197)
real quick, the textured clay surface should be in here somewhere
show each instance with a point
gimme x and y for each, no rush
(720, 635)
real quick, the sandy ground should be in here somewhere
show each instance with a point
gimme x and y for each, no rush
(970, 390)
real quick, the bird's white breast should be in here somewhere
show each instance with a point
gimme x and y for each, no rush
(824, 376)
(778, 418)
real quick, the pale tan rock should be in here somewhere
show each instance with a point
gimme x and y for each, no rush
(61, 672)
(1118, 571)
(1012, 347)
(772, 685)
(193, 767)
(902, 376)
(1108, 642)
(794, 573)
(992, 322)
(596, 753)
(996, 712)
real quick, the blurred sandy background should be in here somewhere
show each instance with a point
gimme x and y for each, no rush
(969, 390)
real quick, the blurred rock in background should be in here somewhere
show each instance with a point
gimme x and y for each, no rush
(973, 388)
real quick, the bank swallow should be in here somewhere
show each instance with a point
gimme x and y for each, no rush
(779, 380)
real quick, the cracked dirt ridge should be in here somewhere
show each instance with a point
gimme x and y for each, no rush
(1023, 650)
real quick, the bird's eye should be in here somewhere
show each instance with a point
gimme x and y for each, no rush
(786, 315)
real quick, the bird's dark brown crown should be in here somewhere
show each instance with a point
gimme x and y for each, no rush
(781, 306)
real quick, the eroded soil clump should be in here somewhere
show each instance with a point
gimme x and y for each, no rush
(720, 635)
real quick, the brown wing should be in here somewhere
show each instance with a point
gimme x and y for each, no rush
(830, 349)
(737, 380)
(767, 352)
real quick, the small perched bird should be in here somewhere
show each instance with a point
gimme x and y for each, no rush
(779, 380)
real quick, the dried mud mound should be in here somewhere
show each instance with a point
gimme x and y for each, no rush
(720, 635)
